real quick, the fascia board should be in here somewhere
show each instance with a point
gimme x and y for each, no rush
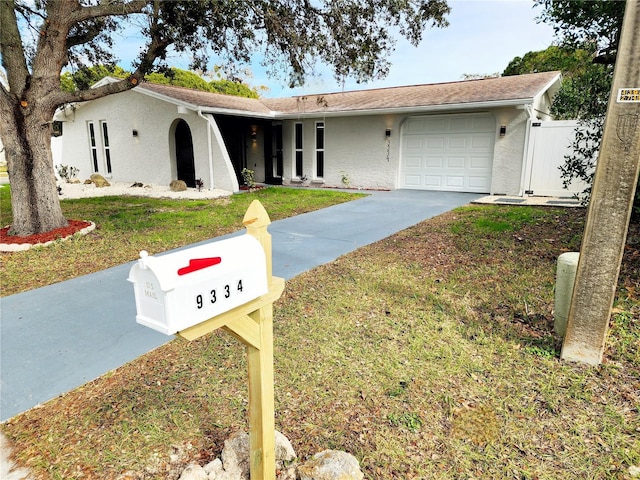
(408, 110)
(239, 113)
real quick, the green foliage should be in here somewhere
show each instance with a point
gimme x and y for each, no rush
(232, 88)
(187, 79)
(584, 95)
(569, 61)
(248, 176)
(353, 37)
(179, 78)
(592, 26)
(410, 420)
(85, 77)
(67, 172)
(594, 22)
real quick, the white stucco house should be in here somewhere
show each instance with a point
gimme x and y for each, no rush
(467, 136)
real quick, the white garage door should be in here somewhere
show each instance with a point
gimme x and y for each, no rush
(448, 152)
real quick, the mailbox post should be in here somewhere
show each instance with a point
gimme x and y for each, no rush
(231, 279)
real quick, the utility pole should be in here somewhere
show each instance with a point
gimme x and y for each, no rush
(611, 202)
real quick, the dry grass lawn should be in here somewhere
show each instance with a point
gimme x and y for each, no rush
(428, 355)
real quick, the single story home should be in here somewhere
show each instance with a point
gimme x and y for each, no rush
(465, 136)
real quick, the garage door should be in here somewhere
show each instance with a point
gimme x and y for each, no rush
(448, 152)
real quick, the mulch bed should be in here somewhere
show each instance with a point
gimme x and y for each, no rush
(74, 226)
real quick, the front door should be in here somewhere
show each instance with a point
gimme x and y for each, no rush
(184, 154)
(273, 154)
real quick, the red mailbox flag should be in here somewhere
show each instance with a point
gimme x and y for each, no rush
(196, 264)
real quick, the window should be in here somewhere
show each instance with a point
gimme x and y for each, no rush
(105, 145)
(298, 149)
(319, 150)
(93, 148)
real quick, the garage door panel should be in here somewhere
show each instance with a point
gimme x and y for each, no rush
(454, 182)
(457, 142)
(413, 161)
(448, 152)
(433, 181)
(456, 162)
(461, 124)
(479, 162)
(415, 142)
(434, 162)
(435, 142)
(412, 181)
(479, 182)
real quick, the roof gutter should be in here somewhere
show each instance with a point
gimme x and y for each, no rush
(408, 110)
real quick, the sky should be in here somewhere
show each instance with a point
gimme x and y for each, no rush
(483, 36)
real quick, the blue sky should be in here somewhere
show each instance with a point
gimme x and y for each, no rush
(482, 37)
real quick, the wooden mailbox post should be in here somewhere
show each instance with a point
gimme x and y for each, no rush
(168, 287)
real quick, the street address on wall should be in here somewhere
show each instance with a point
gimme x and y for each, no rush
(628, 95)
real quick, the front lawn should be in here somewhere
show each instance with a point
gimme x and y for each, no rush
(125, 225)
(428, 355)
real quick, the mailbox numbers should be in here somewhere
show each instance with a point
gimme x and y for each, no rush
(215, 295)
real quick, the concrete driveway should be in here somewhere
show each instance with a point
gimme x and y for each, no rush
(56, 338)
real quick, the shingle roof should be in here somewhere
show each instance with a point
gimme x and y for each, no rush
(208, 100)
(490, 90)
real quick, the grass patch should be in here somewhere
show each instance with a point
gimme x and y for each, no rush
(125, 225)
(426, 355)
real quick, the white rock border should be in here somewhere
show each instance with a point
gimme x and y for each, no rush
(21, 247)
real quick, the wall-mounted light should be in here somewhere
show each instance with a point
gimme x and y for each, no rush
(387, 133)
(503, 130)
(135, 132)
(254, 135)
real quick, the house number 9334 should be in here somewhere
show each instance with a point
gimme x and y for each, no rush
(218, 294)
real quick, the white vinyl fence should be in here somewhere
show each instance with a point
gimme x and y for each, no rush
(548, 143)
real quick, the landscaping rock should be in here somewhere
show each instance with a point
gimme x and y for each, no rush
(194, 472)
(235, 463)
(331, 465)
(285, 454)
(88, 182)
(214, 469)
(177, 186)
(235, 455)
(73, 181)
(99, 181)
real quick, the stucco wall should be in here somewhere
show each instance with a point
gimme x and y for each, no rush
(148, 157)
(355, 149)
(508, 153)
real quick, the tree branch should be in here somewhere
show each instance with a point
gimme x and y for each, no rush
(106, 9)
(13, 57)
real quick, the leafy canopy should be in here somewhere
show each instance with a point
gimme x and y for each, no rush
(593, 27)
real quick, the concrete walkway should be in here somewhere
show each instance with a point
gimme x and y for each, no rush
(56, 338)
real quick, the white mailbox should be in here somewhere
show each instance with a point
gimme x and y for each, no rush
(181, 289)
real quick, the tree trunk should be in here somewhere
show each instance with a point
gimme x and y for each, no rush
(35, 205)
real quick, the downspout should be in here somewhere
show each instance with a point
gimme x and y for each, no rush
(527, 136)
(213, 127)
(209, 152)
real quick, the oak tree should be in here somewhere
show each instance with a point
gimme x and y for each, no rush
(38, 38)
